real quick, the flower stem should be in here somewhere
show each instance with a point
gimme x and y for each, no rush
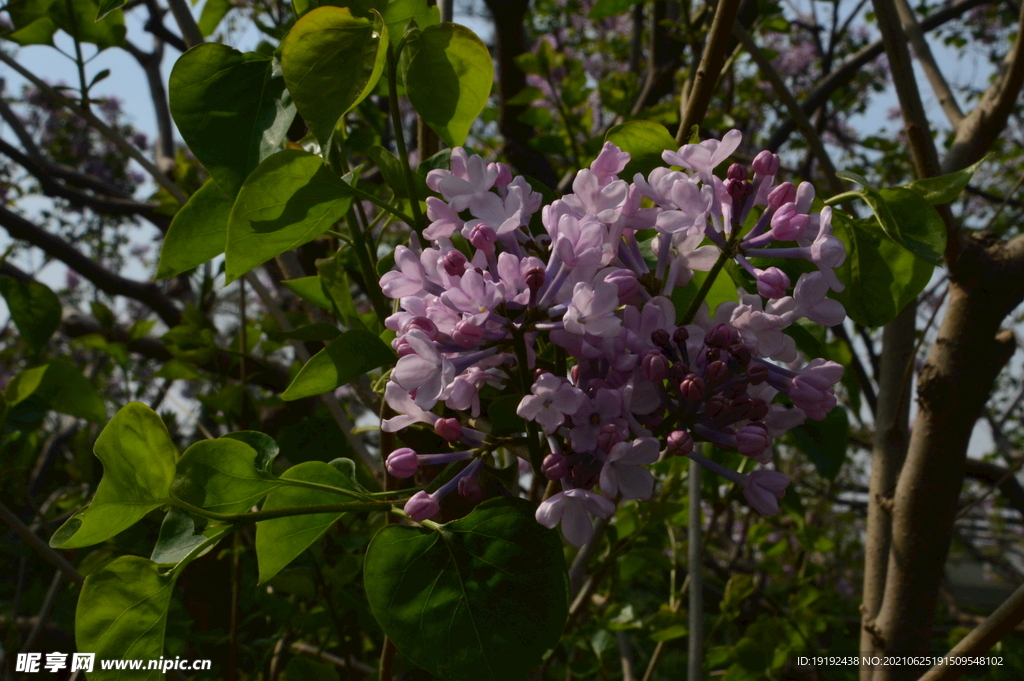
(257, 516)
(403, 153)
(532, 441)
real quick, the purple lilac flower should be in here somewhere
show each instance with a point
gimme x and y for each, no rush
(635, 378)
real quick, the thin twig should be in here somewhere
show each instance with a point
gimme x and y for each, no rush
(696, 105)
(54, 558)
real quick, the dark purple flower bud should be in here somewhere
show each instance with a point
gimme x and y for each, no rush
(402, 463)
(554, 467)
(504, 174)
(739, 189)
(449, 429)
(720, 336)
(535, 278)
(692, 388)
(715, 406)
(713, 355)
(754, 441)
(655, 366)
(680, 335)
(586, 473)
(766, 163)
(574, 374)
(423, 324)
(679, 443)
(660, 338)
(781, 195)
(467, 335)
(626, 282)
(483, 237)
(741, 352)
(757, 373)
(736, 172)
(677, 373)
(469, 487)
(742, 407)
(772, 283)
(734, 390)
(454, 263)
(422, 506)
(758, 409)
(717, 372)
(788, 224)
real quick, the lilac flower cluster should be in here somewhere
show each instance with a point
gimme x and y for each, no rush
(579, 323)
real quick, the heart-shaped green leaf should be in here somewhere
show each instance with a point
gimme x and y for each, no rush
(448, 77)
(231, 108)
(477, 599)
(289, 200)
(349, 355)
(34, 308)
(221, 476)
(138, 466)
(332, 60)
(197, 232)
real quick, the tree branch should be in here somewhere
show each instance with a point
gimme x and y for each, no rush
(931, 69)
(102, 278)
(124, 145)
(150, 63)
(711, 63)
(986, 121)
(186, 22)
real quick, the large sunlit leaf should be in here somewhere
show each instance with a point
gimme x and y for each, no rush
(122, 615)
(231, 108)
(448, 77)
(289, 200)
(644, 140)
(221, 476)
(197, 232)
(478, 599)
(138, 459)
(34, 308)
(331, 62)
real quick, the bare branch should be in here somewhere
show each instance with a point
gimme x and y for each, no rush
(54, 558)
(102, 278)
(981, 127)
(696, 105)
(150, 63)
(931, 69)
(186, 22)
(124, 145)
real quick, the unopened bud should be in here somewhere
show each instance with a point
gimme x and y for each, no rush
(720, 336)
(757, 373)
(535, 278)
(717, 372)
(625, 281)
(715, 406)
(742, 407)
(655, 366)
(680, 335)
(449, 429)
(467, 335)
(692, 388)
(679, 443)
(454, 263)
(741, 352)
(739, 189)
(781, 195)
(766, 163)
(469, 487)
(758, 409)
(422, 506)
(483, 237)
(660, 338)
(402, 348)
(423, 324)
(608, 437)
(402, 463)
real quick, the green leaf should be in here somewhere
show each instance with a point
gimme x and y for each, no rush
(33, 24)
(722, 290)
(332, 60)
(221, 476)
(824, 442)
(670, 634)
(394, 175)
(880, 276)
(213, 13)
(280, 540)
(351, 354)
(359, 8)
(448, 78)
(122, 614)
(108, 6)
(179, 538)
(644, 140)
(481, 598)
(60, 386)
(35, 309)
(289, 200)
(321, 331)
(503, 417)
(138, 466)
(231, 108)
(945, 188)
(400, 12)
(265, 446)
(197, 232)
(603, 9)
(905, 216)
(310, 290)
(336, 284)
